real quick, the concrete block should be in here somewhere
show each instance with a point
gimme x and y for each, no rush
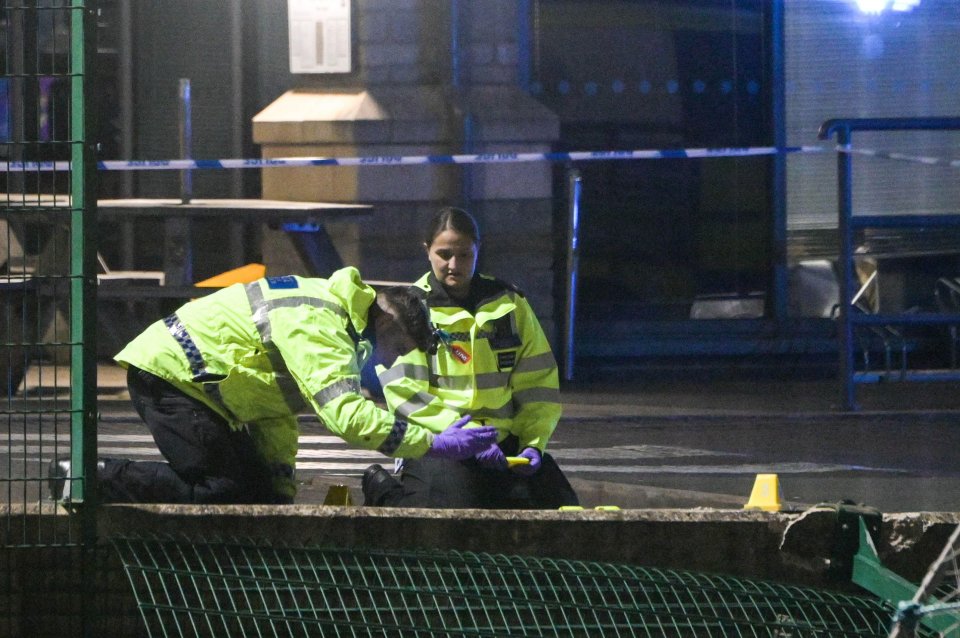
(727, 541)
(304, 116)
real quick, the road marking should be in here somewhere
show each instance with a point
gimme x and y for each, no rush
(349, 453)
(634, 452)
(354, 468)
(774, 468)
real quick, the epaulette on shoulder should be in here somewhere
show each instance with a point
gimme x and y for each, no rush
(506, 285)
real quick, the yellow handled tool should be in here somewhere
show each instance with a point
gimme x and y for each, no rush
(517, 460)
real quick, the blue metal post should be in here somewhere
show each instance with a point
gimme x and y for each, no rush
(573, 267)
(186, 137)
(845, 214)
(779, 289)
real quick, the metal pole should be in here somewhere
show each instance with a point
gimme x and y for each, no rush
(178, 248)
(83, 263)
(845, 214)
(779, 289)
(186, 135)
(575, 187)
(125, 98)
(236, 229)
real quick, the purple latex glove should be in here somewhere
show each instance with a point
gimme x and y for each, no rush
(492, 458)
(458, 443)
(533, 454)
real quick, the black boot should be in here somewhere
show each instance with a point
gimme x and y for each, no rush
(376, 483)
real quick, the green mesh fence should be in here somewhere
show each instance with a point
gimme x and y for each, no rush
(237, 588)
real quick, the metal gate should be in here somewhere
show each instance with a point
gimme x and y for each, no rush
(47, 278)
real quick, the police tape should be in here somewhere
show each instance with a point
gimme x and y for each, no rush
(902, 157)
(408, 160)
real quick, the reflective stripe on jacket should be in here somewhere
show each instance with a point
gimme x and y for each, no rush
(500, 368)
(260, 353)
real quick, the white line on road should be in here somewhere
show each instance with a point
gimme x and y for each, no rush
(778, 468)
(634, 452)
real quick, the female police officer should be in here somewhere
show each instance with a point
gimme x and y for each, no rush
(495, 365)
(220, 382)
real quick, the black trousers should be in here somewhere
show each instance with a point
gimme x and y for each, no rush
(207, 461)
(441, 483)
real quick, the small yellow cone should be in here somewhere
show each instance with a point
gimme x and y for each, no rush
(338, 495)
(766, 494)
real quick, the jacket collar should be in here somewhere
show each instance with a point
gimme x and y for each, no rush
(483, 289)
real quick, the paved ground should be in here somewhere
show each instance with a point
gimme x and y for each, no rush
(684, 443)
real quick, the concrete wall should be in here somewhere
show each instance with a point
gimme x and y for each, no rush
(43, 588)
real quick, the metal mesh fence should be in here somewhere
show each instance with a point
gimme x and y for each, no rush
(46, 195)
(190, 587)
(44, 204)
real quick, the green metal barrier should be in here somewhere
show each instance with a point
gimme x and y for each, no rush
(193, 587)
(47, 291)
(47, 254)
(934, 603)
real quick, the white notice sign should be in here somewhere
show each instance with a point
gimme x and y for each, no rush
(319, 36)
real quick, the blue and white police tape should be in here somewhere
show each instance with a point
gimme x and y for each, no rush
(409, 160)
(901, 157)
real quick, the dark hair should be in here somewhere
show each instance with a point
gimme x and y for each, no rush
(412, 314)
(452, 218)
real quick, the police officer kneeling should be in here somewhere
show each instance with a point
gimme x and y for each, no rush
(220, 383)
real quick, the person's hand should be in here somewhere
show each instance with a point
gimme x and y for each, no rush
(458, 443)
(492, 458)
(533, 454)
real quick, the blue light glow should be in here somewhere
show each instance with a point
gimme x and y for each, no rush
(877, 7)
(872, 6)
(904, 5)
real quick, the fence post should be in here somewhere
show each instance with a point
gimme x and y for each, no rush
(83, 258)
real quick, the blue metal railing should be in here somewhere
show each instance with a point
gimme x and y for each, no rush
(848, 223)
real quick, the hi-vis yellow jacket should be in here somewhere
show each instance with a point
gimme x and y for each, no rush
(499, 368)
(260, 353)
